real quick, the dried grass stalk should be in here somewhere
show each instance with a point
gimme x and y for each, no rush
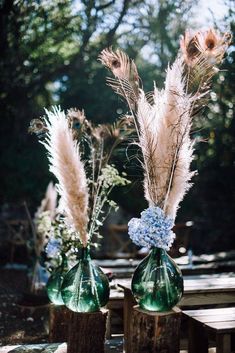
(163, 119)
(66, 165)
(165, 142)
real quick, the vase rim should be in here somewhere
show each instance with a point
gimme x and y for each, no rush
(157, 248)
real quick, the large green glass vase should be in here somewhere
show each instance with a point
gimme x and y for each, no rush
(85, 287)
(157, 283)
(55, 282)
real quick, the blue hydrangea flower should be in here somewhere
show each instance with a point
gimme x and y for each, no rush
(53, 247)
(153, 228)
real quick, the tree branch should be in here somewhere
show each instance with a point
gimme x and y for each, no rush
(102, 7)
(110, 35)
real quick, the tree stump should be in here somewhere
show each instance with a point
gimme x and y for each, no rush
(58, 323)
(128, 306)
(87, 332)
(154, 332)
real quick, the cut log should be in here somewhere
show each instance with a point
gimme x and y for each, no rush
(58, 323)
(86, 332)
(128, 305)
(154, 332)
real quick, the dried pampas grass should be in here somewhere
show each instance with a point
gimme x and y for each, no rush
(163, 118)
(165, 142)
(163, 128)
(66, 165)
(49, 202)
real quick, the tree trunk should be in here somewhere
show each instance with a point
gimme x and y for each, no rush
(87, 332)
(58, 323)
(153, 332)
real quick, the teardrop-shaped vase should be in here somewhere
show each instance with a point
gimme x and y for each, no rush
(157, 282)
(85, 287)
(55, 282)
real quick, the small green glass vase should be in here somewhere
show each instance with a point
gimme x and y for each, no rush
(85, 287)
(55, 282)
(157, 283)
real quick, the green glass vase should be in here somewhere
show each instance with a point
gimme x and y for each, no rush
(85, 287)
(55, 282)
(157, 283)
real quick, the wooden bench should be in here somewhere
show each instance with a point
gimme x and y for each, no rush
(203, 264)
(220, 323)
(198, 291)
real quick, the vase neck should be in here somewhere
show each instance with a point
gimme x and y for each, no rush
(85, 255)
(158, 254)
(64, 261)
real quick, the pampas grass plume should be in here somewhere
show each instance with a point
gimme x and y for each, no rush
(66, 165)
(165, 142)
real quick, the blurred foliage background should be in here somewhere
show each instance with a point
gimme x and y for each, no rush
(49, 55)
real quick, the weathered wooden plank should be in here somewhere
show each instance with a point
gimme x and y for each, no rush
(217, 311)
(211, 319)
(191, 299)
(223, 318)
(117, 263)
(223, 326)
(209, 284)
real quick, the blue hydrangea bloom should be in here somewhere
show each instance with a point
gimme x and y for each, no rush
(53, 247)
(152, 229)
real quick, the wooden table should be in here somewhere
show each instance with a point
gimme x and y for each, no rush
(198, 291)
(202, 323)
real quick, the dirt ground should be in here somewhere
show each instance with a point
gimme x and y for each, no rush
(19, 324)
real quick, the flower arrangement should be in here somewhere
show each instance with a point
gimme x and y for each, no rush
(163, 120)
(79, 155)
(80, 158)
